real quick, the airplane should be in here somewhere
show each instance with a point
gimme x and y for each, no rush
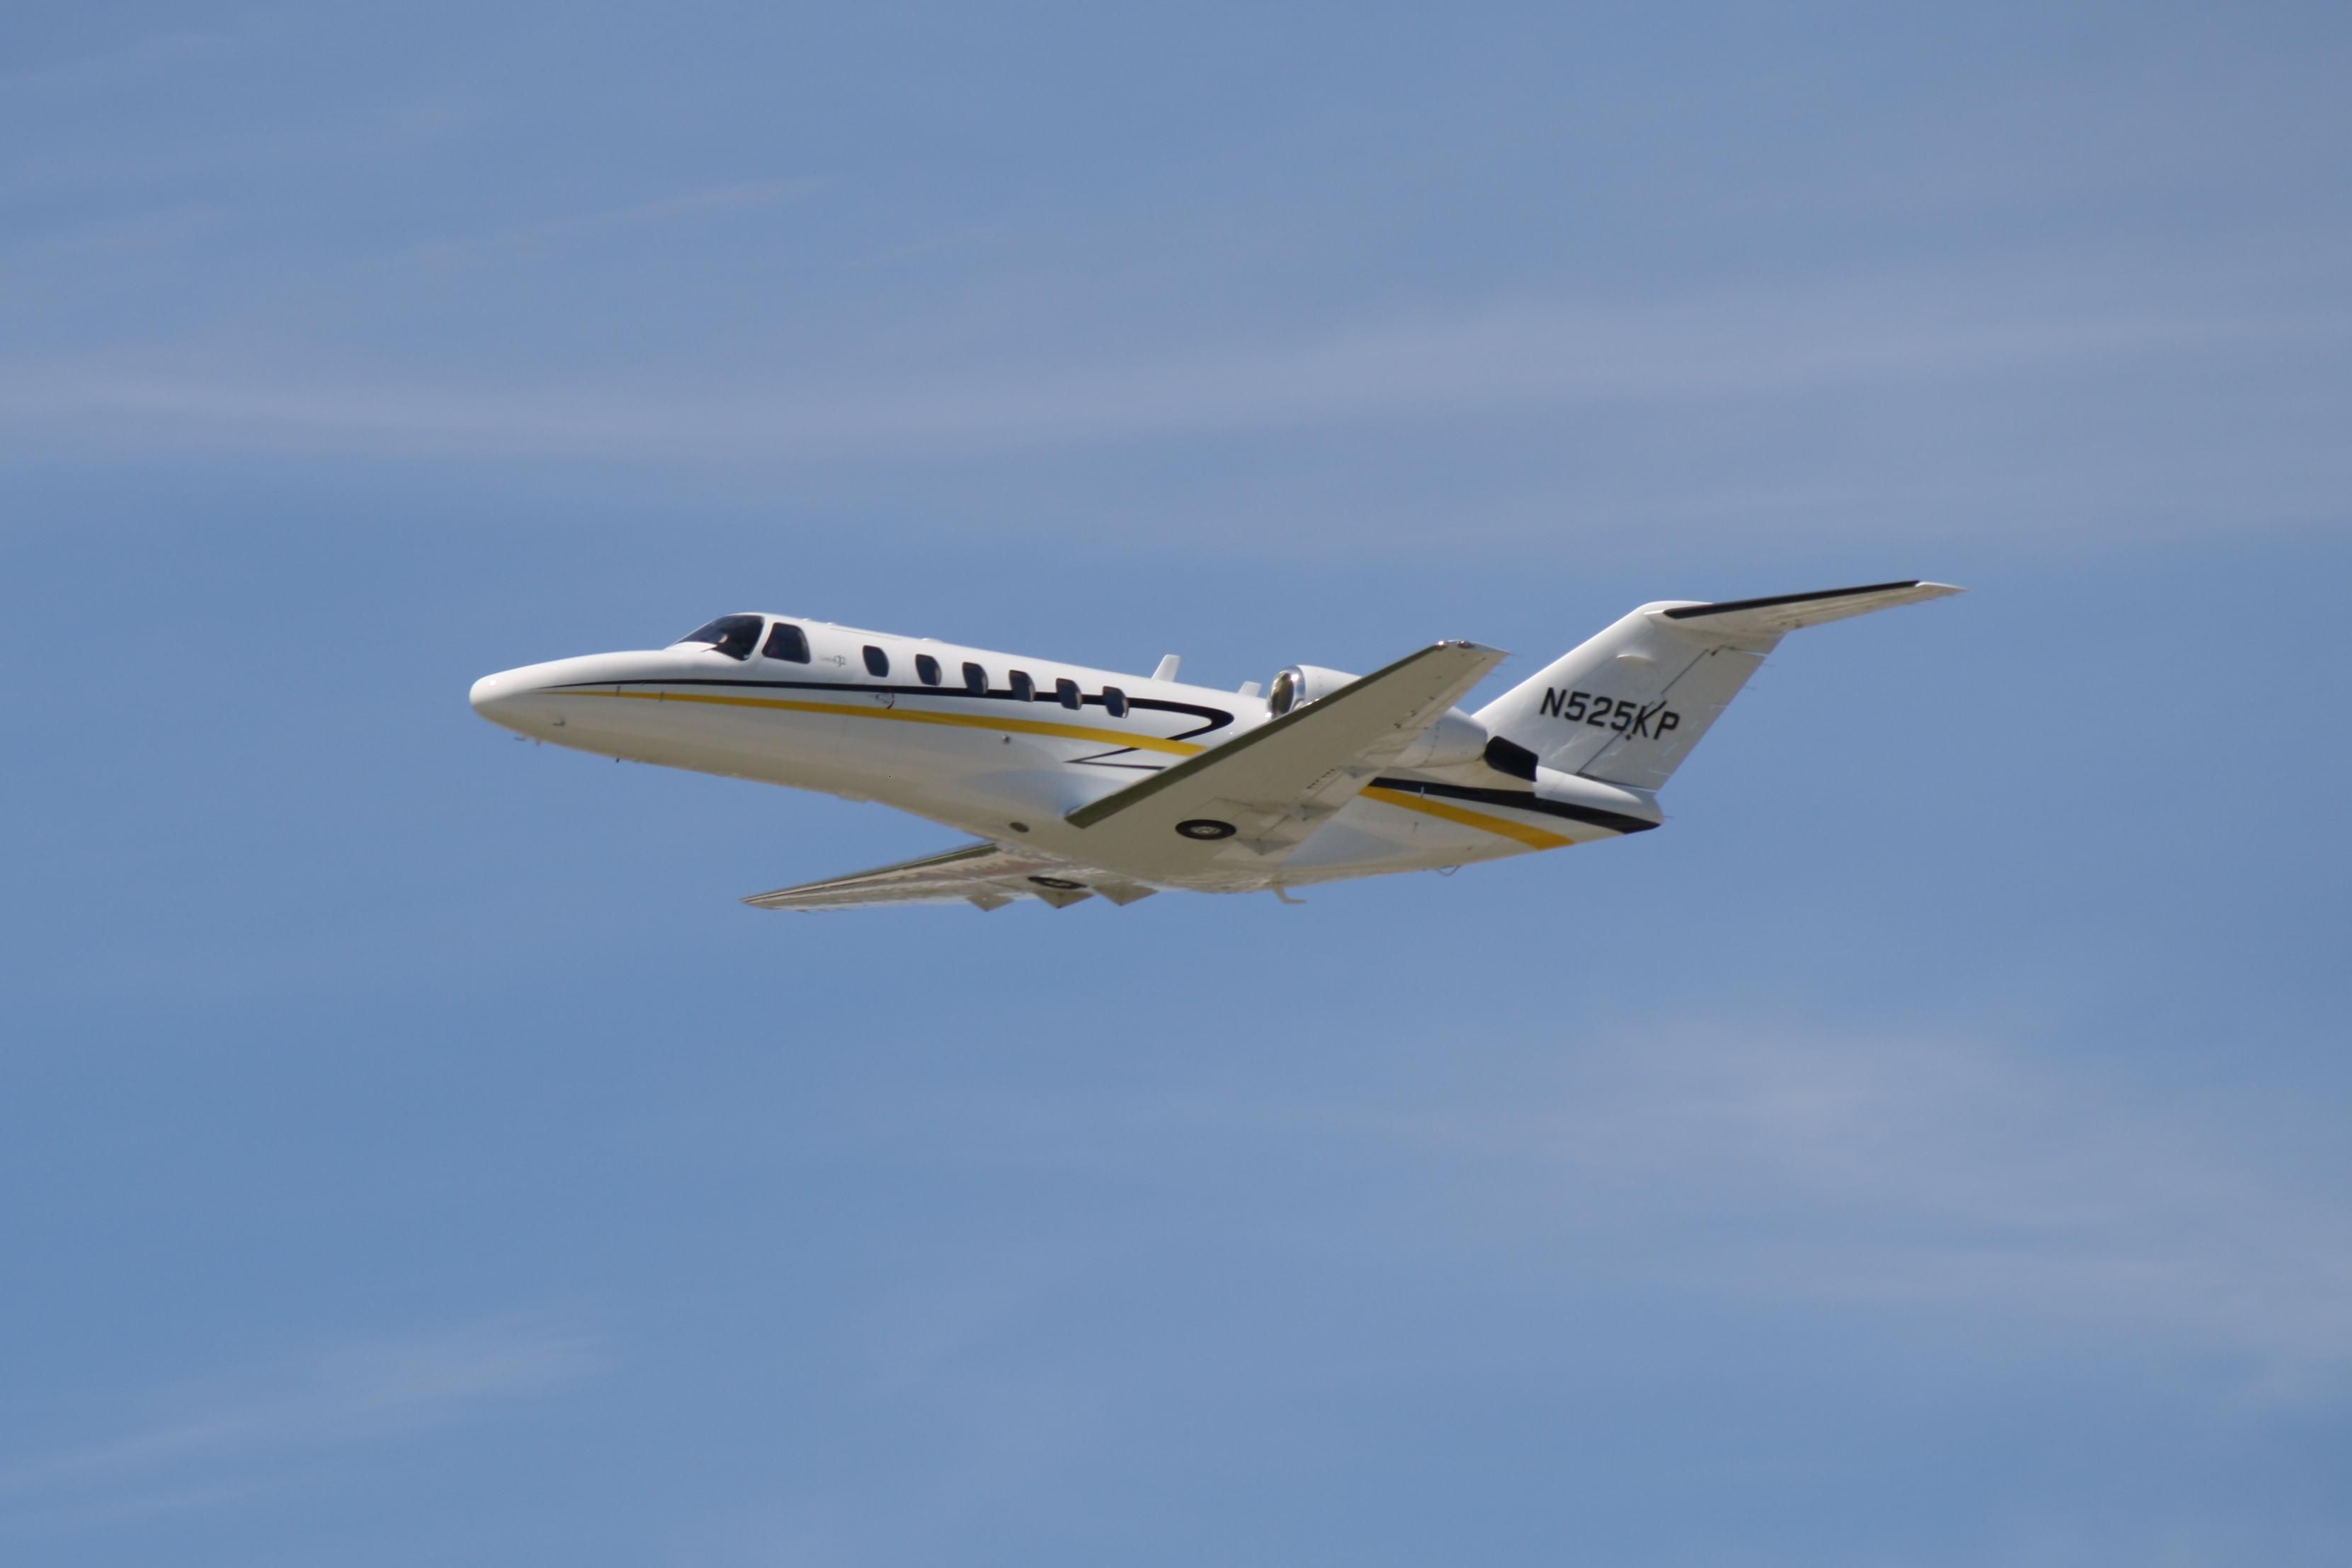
(1080, 784)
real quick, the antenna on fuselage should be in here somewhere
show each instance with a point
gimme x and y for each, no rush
(1169, 664)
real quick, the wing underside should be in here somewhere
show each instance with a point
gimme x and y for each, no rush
(988, 875)
(1251, 801)
(1247, 803)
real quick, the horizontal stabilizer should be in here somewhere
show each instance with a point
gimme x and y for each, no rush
(1741, 618)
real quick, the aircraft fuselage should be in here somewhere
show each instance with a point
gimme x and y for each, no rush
(1004, 746)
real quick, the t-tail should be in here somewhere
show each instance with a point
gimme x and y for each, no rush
(1626, 707)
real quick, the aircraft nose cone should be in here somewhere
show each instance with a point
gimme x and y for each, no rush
(494, 696)
(541, 700)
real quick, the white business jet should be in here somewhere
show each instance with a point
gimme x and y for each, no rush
(1081, 782)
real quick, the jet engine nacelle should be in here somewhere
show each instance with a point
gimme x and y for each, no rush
(1302, 684)
(1456, 737)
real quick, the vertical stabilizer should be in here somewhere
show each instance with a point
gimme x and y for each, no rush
(1626, 707)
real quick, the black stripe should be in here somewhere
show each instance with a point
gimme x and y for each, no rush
(1689, 612)
(1521, 800)
(1213, 719)
(1201, 761)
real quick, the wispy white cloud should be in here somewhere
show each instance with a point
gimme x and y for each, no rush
(186, 162)
(149, 55)
(524, 238)
(225, 1437)
(1905, 1175)
(1523, 353)
(1951, 1174)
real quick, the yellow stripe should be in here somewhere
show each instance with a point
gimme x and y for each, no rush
(916, 716)
(1534, 837)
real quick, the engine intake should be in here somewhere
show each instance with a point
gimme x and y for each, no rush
(1302, 684)
(1455, 739)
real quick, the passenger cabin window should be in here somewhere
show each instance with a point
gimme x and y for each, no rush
(876, 661)
(927, 668)
(975, 679)
(1115, 701)
(787, 642)
(1023, 689)
(1065, 692)
(734, 636)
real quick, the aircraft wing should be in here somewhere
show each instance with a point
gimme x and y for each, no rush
(988, 875)
(1260, 795)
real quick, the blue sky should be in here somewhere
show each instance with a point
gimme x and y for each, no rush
(1927, 1151)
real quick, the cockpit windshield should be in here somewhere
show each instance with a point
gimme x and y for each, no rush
(734, 636)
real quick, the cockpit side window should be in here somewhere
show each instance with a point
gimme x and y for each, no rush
(734, 636)
(787, 642)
